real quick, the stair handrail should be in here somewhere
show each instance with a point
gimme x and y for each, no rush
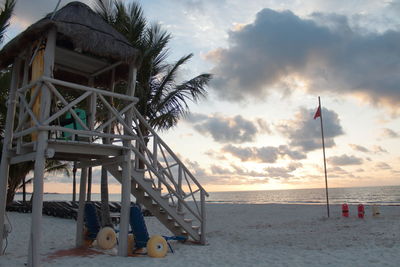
(149, 128)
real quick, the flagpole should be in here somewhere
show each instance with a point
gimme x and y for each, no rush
(323, 150)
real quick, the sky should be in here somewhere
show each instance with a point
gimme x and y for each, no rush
(270, 60)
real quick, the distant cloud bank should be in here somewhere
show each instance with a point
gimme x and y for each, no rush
(323, 52)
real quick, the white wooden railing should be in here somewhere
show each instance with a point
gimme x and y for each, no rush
(152, 156)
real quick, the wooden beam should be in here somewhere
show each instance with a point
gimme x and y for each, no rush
(7, 144)
(110, 67)
(98, 162)
(86, 88)
(37, 204)
(81, 210)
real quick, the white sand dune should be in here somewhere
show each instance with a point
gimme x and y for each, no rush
(242, 235)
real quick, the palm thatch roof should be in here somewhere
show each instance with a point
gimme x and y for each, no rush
(81, 26)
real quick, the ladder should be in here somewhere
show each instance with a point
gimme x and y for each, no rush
(163, 184)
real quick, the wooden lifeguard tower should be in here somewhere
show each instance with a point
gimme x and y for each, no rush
(73, 58)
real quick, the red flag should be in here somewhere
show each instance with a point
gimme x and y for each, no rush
(318, 113)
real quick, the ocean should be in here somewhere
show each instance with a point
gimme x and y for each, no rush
(386, 195)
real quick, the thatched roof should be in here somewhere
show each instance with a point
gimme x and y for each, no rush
(80, 25)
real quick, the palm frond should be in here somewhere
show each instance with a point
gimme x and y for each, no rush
(105, 9)
(55, 166)
(5, 15)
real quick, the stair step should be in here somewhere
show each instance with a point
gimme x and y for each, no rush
(157, 189)
(150, 180)
(195, 227)
(165, 196)
(188, 220)
(181, 213)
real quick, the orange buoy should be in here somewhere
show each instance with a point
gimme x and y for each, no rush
(345, 210)
(361, 211)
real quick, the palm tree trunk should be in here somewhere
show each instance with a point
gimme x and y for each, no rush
(89, 188)
(74, 182)
(10, 196)
(105, 208)
(24, 191)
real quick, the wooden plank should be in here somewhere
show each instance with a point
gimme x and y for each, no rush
(23, 158)
(86, 88)
(7, 144)
(79, 99)
(43, 112)
(82, 196)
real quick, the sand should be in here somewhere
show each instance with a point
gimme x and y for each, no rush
(238, 235)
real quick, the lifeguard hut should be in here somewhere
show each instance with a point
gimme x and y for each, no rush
(70, 59)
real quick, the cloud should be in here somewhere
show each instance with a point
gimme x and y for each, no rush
(383, 166)
(374, 150)
(282, 172)
(389, 133)
(345, 160)
(227, 129)
(267, 154)
(29, 11)
(379, 149)
(304, 133)
(324, 52)
(359, 148)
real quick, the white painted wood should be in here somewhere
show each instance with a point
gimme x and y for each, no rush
(168, 149)
(203, 217)
(81, 210)
(79, 62)
(110, 67)
(37, 204)
(23, 158)
(86, 88)
(83, 132)
(22, 123)
(125, 123)
(68, 106)
(126, 168)
(25, 80)
(8, 135)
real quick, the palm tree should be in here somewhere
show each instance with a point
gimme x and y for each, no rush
(18, 173)
(162, 100)
(5, 15)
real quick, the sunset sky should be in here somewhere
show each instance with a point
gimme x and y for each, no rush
(271, 60)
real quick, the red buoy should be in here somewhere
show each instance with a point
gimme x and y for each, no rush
(361, 211)
(345, 210)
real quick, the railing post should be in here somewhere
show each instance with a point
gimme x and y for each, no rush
(7, 143)
(81, 210)
(126, 172)
(155, 157)
(203, 217)
(42, 137)
(25, 81)
(180, 191)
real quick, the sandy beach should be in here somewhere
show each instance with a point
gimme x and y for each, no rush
(240, 235)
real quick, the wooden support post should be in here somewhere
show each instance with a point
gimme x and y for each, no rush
(74, 183)
(81, 210)
(125, 206)
(155, 158)
(203, 217)
(37, 205)
(25, 81)
(7, 142)
(89, 185)
(180, 191)
(126, 174)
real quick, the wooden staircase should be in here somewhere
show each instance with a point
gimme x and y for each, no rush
(164, 185)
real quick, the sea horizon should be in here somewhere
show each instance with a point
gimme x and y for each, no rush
(379, 195)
